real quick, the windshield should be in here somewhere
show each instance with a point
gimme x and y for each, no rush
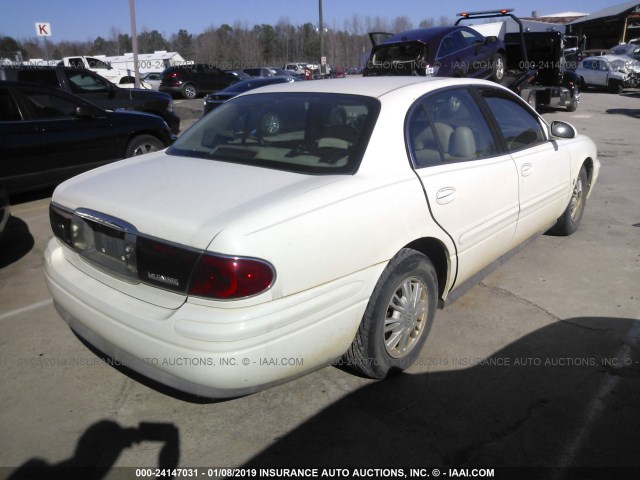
(311, 133)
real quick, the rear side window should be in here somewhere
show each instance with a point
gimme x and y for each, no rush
(46, 105)
(44, 76)
(84, 83)
(519, 127)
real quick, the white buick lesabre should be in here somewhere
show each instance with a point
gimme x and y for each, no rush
(303, 223)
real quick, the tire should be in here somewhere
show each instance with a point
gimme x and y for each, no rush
(532, 99)
(573, 105)
(270, 123)
(189, 91)
(570, 219)
(583, 84)
(143, 144)
(497, 68)
(398, 317)
(616, 86)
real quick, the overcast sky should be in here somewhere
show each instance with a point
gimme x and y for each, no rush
(82, 20)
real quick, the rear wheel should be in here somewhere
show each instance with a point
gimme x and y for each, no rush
(143, 144)
(572, 106)
(189, 91)
(398, 317)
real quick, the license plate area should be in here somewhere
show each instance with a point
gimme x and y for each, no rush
(106, 242)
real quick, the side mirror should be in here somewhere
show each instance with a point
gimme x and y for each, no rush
(491, 39)
(563, 130)
(84, 112)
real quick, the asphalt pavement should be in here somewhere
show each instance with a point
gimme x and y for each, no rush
(537, 367)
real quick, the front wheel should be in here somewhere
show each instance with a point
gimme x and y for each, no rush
(143, 144)
(398, 317)
(569, 221)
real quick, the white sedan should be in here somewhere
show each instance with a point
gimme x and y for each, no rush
(304, 223)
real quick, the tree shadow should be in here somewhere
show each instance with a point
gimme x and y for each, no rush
(560, 396)
(98, 449)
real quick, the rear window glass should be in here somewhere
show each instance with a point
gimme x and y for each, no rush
(394, 53)
(297, 132)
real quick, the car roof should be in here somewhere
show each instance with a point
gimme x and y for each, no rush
(371, 86)
(423, 34)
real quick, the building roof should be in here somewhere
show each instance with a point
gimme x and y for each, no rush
(609, 11)
(564, 15)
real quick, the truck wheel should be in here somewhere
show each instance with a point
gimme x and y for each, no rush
(189, 91)
(398, 318)
(143, 144)
(497, 73)
(572, 106)
(615, 86)
(531, 98)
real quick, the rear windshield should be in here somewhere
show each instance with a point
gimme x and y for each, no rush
(398, 53)
(298, 132)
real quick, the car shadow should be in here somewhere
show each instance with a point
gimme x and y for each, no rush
(98, 449)
(16, 242)
(630, 112)
(146, 381)
(561, 396)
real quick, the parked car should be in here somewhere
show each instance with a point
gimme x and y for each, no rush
(631, 50)
(257, 72)
(47, 135)
(214, 100)
(239, 74)
(599, 72)
(338, 238)
(189, 81)
(5, 209)
(97, 90)
(451, 51)
(153, 79)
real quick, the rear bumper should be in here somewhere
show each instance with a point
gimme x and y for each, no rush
(215, 352)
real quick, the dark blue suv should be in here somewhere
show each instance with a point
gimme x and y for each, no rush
(452, 51)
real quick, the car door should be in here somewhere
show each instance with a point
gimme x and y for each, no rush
(470, 184)
(544, 169)
(478, 55)
(68, 139)
(94, 88)
(599, 73)
(21, 159)
(453, 56)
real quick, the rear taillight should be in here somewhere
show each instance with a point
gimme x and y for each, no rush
(115, 246)
(172, 75)
(227, 278)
